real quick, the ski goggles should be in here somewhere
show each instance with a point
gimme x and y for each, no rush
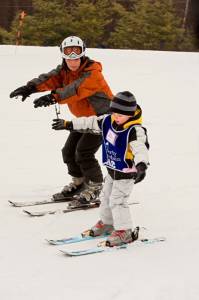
(75, 49)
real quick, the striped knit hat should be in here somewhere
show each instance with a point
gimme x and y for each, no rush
(124, 103)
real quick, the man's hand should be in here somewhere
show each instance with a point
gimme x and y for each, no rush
(60, 124)
(141, 172)
(24, 91)
(44, 101)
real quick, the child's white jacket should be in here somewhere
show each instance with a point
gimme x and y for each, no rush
(138, 141)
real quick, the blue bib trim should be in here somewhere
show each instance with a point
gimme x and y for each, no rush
(115, 146)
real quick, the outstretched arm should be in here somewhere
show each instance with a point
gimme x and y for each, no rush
(85, 124)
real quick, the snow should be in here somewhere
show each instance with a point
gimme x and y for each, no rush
(166, 86)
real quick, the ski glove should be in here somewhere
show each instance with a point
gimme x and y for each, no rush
(24, 91)
(141, 172)
(44, 101)
(60, 124)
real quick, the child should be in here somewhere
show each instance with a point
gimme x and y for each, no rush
(125, 154)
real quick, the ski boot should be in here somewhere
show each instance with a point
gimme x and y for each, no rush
(99, 229)
(74, 188)
(120, 237)
(89, 195)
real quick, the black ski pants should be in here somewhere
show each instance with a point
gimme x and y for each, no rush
(79, 155)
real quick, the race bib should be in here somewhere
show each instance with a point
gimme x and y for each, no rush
(111, 137)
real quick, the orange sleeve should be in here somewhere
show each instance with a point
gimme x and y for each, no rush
(49, 81)
(89, 84)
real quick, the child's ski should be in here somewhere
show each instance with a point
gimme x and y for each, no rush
(100, 249)
(80, 238)
(75, 239)
(61, 211)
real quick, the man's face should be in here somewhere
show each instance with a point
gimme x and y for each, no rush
(73, 64)
(120, 119)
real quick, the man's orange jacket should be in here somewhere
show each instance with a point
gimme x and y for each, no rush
(85, 91)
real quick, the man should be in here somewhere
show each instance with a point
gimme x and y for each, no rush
(79, 83)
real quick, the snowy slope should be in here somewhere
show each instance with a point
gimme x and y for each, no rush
(166, 86)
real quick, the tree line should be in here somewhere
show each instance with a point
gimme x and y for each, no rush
(121, 24)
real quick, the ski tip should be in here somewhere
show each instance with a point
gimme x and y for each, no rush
(27, 212)
(51, 242)
(158, 239)
(32, 214)
(12, 203)
(161, 239)
(66, 253)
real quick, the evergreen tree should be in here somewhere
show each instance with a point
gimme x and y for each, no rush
(89, 20)
(47, 26)
(132, 24)
(152, 25)
(5, 36)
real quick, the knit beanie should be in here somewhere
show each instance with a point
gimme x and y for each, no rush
(123, 103)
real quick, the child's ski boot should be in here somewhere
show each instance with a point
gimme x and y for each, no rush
(120, 237)
(99, 229)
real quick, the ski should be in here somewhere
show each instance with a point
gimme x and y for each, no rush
(100, 249)
(67, 210)
(61, 211)
(75, 239)
(41, 202)
(79, 238)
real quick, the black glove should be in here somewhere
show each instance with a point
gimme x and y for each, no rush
(24, 91)
(59, 124)
(44, 101)
(141, 172)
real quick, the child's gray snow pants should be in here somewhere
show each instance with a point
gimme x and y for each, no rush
(114, 208)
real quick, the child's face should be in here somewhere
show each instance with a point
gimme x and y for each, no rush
(120, 119)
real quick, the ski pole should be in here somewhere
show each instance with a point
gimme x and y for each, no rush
(57, 110)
